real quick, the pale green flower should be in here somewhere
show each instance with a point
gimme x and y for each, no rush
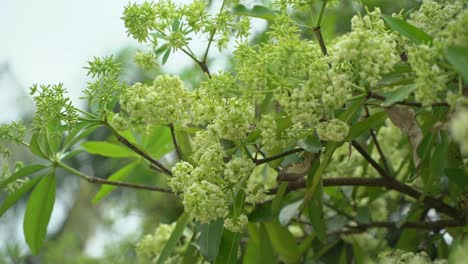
(333, 130)
(236, 224)
(205, 201)
(145, 60)
(238, 168)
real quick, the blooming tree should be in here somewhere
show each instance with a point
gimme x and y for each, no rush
(331, 150)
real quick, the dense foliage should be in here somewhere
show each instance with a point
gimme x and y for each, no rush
(306, 149)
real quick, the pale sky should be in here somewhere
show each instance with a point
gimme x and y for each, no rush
(50, 41)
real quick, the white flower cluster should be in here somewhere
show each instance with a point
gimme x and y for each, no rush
(150, 246)
(431, 77)
(332, 130)
(233, 119)
(205, 201)
(400, 256)
(433, 15)
(368, 47)
(236, 224)
(166, 101)
(238, 168)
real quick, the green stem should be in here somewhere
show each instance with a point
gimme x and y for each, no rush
(96, 180)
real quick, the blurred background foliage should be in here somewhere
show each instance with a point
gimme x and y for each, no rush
(111, 228)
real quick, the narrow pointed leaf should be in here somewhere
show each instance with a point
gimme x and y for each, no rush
(107, 149)
(174, 238)
(458, 57)
(38, 211)
(210, 238)
(14, 197)
(406, 29)
(23, 172)
(119, 175)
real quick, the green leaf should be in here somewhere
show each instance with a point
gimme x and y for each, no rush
(166, 56)
(283, 242)
(259, 248)
(458, 176)
(107, 149)
(406, 29)
(183, 139)
(398, 95)
(315, 206)
(38, 211)
(35, 146)
(310, 144)
(21, 173)
(458, 57)
(330, 148)
(158, 142)
(289, 212)
(14, 197)
(257, 11)
(119, 175)
(360, 128)
(229, 248)
(210, 238)
(261, 213)
(174, 238)
(85, 130)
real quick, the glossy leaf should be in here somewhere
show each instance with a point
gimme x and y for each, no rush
(360, 128)
(107, 149)
(210, 238)
(174, 238)
(14, 197)
(23, 172)
(310, 144)
(229, 248)
(38, 211)
(35, 146)
(458, 58)
(283, 242)
(119, 175)
(257, 11)
(398, 95)
(406, 29)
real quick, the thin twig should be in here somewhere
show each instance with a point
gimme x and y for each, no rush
(377, 145)
(404, 102)
(279, 156)
(392, 184)
(96, 180)
(318, 31)
(137, 150)
(174, 141)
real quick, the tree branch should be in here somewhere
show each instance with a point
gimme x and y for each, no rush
(97, 180)
(279, 156)
(377, 145)
(174, 141)
(393, 184)
(404, 102)
(137, 150)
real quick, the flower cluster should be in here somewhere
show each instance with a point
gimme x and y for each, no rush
(238, 168)
(139, 19)
(431, 76)
(145, 60)
(205, 201)
(233, 119)
(163, 102)
(332, 130)
(52, 106)
(400, 256)
(150, 246)
(103, 93)
(12, 132)
(368, 47)
(433, 16)
(236, 224)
